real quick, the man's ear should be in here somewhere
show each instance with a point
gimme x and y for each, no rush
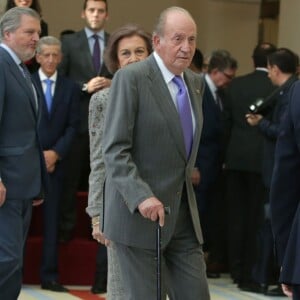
(276, 69)
(156, 40)
(37, 57)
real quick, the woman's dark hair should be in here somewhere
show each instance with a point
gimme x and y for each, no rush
(35, 5)
(111, 50)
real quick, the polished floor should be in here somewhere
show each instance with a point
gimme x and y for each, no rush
(220, 289)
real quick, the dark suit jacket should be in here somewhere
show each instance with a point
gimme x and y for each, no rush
(77, 64)
(22, 167)
(209, 153)
(285, 192)
(144, 153)
(244, 144)
(58, 129)
(270, 129)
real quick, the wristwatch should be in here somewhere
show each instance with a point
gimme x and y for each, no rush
(84, 87)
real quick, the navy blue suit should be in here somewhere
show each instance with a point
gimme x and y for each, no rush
(57, 131)
(209, 153)
(22, 169)
(209, 158)
(265, 266)
(285, 192)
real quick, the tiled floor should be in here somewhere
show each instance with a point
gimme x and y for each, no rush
(220, 289)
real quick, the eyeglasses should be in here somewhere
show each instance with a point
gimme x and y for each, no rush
(228, 76)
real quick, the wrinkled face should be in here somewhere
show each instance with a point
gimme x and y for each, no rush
(23, 41)
(131, 49)
(177, 45)
(49, 59)
(95, 15)
(222, 79)
(23, 3)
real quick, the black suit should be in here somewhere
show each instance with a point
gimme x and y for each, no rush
(77, 64)
(245, 190)
(57, 131)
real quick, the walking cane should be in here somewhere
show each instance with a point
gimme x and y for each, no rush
(158, 255)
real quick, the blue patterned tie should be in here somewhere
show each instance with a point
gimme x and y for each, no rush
(185, 113)
(48, 93)
(96, 53)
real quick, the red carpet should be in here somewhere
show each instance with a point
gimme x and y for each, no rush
(77, 258)
(86, 295)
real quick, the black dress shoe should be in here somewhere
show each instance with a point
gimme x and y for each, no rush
(98, 289)
(275, 292)
(253, 287)
(53, 286)
(213, 274)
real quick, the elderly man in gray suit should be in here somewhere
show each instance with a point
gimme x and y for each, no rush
(22, 167)
(150, 147)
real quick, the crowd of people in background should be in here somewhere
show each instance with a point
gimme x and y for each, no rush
(103, 115)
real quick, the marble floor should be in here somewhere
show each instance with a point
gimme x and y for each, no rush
(220, 289)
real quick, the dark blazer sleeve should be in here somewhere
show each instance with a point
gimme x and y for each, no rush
(63, 144)
(58, 129)
(285, 188)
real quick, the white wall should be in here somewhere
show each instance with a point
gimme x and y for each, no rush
(289, 21)
(228, 25)
(221, 24)
(2, 6)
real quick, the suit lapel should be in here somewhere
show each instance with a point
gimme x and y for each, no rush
(84, 50)
(58, 94)
(195, 92)
(39, 87)
(17, 73)
(160, 91)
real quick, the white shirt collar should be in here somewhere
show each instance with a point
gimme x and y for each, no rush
(167, 75)
(11, 53)
(89, 33)
(211, 85)
(262, 69)
(43, 76)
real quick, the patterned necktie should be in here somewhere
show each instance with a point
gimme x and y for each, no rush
(219, 100)
(185, 113)
(29, 84)
(96, 53)
(48, 93)
(27, 76)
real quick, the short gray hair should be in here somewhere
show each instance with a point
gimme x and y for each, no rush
(221, 60)
(159, 28)
(11, 20)
(48, 41)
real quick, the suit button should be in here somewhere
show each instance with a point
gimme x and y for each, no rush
(178, 193)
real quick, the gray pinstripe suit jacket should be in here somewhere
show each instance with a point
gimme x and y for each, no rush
(144, 153)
